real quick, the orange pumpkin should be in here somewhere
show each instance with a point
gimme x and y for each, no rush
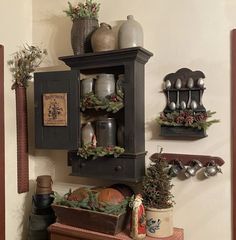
(78, 194)
(110, 196)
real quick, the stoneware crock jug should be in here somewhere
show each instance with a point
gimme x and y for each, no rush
(103, 39)
(86, 86)
(130, 34)
(104, 85)
(106, 131)
(87, 133)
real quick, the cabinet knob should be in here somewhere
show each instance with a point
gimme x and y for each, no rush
(82, 165)
(118, 168)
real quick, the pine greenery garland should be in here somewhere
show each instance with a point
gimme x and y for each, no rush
(91, 203)
(156, 185)
(187, 118)
(88, 9)
(112, 103)
(90, 151)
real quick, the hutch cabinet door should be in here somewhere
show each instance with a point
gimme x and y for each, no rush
(57, 120)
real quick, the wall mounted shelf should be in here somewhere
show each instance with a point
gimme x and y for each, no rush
(187, 158)
(184, 115)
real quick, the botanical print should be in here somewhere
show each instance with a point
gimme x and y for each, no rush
(55, 109)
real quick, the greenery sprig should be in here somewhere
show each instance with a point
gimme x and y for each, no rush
(91, 203)
(90, 151)
(24, 63)
(156, 185)
(112, 103)
(187, 118)
(88, 9)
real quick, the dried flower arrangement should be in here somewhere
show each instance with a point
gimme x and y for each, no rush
(24, 63)
(89, 9)
(187, 118)
(91, 151)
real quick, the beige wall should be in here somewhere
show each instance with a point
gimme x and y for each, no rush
(184, 33)
(15, 30)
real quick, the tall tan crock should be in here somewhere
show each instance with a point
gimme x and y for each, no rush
(159, 222)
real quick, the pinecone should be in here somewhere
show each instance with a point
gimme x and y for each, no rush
(163, 117)
(189, 120)
(183, 114)
(179, 119)
(199, 117)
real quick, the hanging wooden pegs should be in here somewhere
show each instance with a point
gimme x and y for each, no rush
(189, 164)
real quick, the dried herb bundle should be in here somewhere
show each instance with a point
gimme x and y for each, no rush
(24, 63)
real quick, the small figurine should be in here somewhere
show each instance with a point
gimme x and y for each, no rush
(138, 219)
(94, 140)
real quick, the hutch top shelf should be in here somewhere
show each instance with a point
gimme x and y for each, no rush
(107, 58)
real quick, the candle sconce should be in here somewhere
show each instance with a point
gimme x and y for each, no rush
(188, 165)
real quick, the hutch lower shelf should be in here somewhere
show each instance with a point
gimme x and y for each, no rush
(63, 232)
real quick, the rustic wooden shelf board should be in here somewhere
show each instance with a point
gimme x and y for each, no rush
(187, 158)
(182, 132)
(63, 232)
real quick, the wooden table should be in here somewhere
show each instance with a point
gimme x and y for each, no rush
(64, 232)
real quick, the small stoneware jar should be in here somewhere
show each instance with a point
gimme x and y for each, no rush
(87, 133)
(106, 132)
(121, 135)
(86, 86)
(105, 85)
(120, 84)
(103, 39)
(44, 184)
(42, 200)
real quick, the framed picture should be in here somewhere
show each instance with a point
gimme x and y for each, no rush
(55, 109)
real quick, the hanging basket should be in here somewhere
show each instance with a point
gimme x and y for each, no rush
(22, 140)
